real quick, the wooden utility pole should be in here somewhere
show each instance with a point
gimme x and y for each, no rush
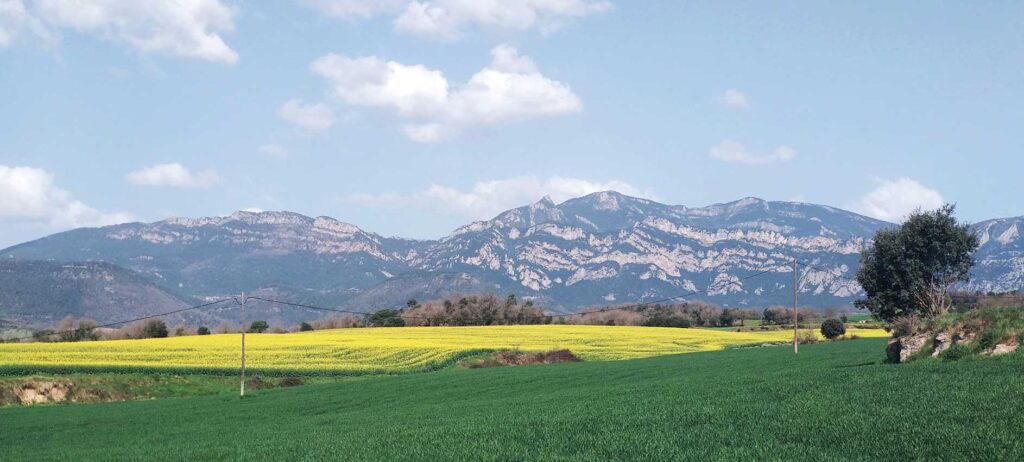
(241, 303)
(796, 340)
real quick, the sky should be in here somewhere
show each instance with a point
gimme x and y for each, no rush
(412, 118)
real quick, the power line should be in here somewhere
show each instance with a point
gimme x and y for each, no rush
(129, 320)
(707, 289)
(551, 316)
(811, 266)
(669, 299)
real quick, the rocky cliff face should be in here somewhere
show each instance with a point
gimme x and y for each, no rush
(608, 247)
(1000, 258)
(599, 249)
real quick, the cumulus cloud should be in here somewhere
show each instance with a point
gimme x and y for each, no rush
(735, 153)
(452, 19)
(173, 175)
(509, 89)
(488, 198)
(894, 199)
(313, 117)
(734, 99)
(28, 195)
(190, 28)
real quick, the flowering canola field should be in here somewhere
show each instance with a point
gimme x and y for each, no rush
(370, 351)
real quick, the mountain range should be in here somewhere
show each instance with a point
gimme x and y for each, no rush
(600, 249)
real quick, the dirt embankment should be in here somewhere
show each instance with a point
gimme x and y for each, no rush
(519, 358)
(37, 392)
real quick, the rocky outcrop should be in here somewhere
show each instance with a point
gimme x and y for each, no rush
(934, 343)
(901, 349)
(37, 392)
(1007, 347)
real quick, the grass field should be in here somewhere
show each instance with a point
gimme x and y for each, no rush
(367, 351)
(833, 401)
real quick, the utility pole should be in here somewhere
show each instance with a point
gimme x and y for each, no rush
(796, 340)
(241, 303)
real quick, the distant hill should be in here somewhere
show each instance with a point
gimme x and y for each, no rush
(603, 248)
(40, 294)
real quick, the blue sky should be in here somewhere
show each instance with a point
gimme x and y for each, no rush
(412, 118)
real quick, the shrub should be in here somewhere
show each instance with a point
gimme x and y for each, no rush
(955, 352)
(832, 328)
(519, 358)
(806, 336)
(727, 318)
(989, 339)
(305, 327)
(904, 325)
(290, 382)
(154, 328)
(203, 330)
(386, 318)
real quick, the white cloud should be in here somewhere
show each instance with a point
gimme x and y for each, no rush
(188, 28)
(508, 90)
(274, 150)
(173, 175)
(452, 19)
(488, 198)
(314, 117)
(735, 153)
(893, 200)
(28, 194)
(347, 9)
(15, 19)
(734, 99)
(449, 19)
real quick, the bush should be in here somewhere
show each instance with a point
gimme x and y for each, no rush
(290, 381)
(305, 327)
(955, 352)
(806, 336)
(154, 328)
(989, 339)
(727, 318)
(203, 330)
(832, 328)
(386, 318)
(904, 326)
(667, 321)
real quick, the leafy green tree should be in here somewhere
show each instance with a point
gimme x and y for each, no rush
(203, 330)
(832, 328)
(386, 318)
(259, 326)
(909, 270)
(154, 328)
(305, 327)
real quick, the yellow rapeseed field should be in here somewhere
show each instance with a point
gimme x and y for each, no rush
(378, 350)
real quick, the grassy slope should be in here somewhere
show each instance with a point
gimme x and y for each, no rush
(832, 401)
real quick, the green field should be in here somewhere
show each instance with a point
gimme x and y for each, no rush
(832, 401)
